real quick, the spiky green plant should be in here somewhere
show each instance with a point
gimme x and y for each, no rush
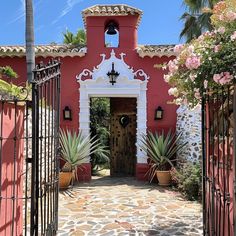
(100, 158)
(75, 148)
(161, 150)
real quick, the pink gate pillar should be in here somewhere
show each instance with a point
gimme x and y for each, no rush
(11, 169)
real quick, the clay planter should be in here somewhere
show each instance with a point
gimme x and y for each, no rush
(163, 177)
(65, 179)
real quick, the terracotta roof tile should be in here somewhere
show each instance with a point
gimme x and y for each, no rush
(111, 10)
(72, 51)
(156, 50)
(44, 51)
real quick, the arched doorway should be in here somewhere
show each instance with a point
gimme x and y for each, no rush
(128, 85)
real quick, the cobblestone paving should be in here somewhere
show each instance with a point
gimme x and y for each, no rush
(122, 206)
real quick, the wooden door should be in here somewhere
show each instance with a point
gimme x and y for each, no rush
(123, 136)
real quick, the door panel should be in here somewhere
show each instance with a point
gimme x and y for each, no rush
(123, 136)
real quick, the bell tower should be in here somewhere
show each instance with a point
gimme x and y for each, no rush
(118, 22)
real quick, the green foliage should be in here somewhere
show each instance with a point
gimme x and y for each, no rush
(75, 147)
(9, 88)
(160, 149)
(8, 72)
(75, 39)
(196, 21)
(189, 180)
(99, 126)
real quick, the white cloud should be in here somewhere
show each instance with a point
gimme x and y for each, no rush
(67, 8)
(20, 13)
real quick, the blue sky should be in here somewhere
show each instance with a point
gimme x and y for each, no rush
(160, 23)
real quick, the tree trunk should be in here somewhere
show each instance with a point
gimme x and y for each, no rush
(29, 37)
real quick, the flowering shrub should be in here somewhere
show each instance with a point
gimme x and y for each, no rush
(208, 61)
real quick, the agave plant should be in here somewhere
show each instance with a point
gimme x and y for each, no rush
(75, 148)
(161, 150)
(100, 158)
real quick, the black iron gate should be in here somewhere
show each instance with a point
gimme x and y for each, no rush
(218, 162)
(45, 138)
(29, 136)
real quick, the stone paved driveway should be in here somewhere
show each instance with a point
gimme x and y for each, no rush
(122, 206)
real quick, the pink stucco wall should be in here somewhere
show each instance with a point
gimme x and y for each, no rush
(11, 209)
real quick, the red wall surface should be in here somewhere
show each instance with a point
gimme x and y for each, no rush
(11, 170)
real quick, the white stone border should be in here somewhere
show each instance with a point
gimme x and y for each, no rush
(126, 86)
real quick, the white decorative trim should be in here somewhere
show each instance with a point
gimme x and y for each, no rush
(101, 70)
(128, 84)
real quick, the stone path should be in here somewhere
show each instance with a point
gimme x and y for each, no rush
(122, 206)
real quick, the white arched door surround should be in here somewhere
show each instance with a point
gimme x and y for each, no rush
(128, 84)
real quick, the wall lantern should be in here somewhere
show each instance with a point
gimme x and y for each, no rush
(67, 114)
(159, 113)
(113, 74)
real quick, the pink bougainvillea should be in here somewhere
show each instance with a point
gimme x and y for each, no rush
(223, 78)
(172, 66)
(178, 48)
(193, 62)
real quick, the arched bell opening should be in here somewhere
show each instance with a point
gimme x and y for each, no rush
(111, 34)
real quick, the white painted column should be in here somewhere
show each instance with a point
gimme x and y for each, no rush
(141, 122)
(84, 115)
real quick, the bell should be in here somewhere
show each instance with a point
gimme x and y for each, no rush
(111, 29)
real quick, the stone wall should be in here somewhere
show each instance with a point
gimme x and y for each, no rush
(46, 150)
(189, 123)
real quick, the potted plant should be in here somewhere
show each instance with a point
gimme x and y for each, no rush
(161, 150)
(75, 148)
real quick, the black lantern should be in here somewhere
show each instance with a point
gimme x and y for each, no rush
(113, 75)
(67, 115)
(159, 113)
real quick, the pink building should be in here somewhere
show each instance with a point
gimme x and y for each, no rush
(139, 89)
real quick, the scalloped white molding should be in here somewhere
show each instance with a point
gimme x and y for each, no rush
(128, 84)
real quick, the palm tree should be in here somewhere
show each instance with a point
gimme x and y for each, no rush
(195, 20)
(29, 37)
(75, 39)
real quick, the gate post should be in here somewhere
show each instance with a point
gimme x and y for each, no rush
(34, 179)
(234, 159)
(203, 167)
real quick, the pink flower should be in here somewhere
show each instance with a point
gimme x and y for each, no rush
(193, 62)
(167, 78)
(233, 36)
(221, 30)
(197, 93)
(217, 78)
(172, 67)
(178, 48)
(191, 49)
(223, 78)
(217, 48)
(173, 92)
(231, 16)
(192, 77)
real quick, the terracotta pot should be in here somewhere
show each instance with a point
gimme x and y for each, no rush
(163, 177)
(65, 179)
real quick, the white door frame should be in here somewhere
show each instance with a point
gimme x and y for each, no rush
(126, 86)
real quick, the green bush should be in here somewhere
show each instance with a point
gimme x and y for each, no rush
(100, 126)
(189, 180)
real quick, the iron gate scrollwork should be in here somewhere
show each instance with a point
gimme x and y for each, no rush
(218, 161)
(45, 138)
(29, 136)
